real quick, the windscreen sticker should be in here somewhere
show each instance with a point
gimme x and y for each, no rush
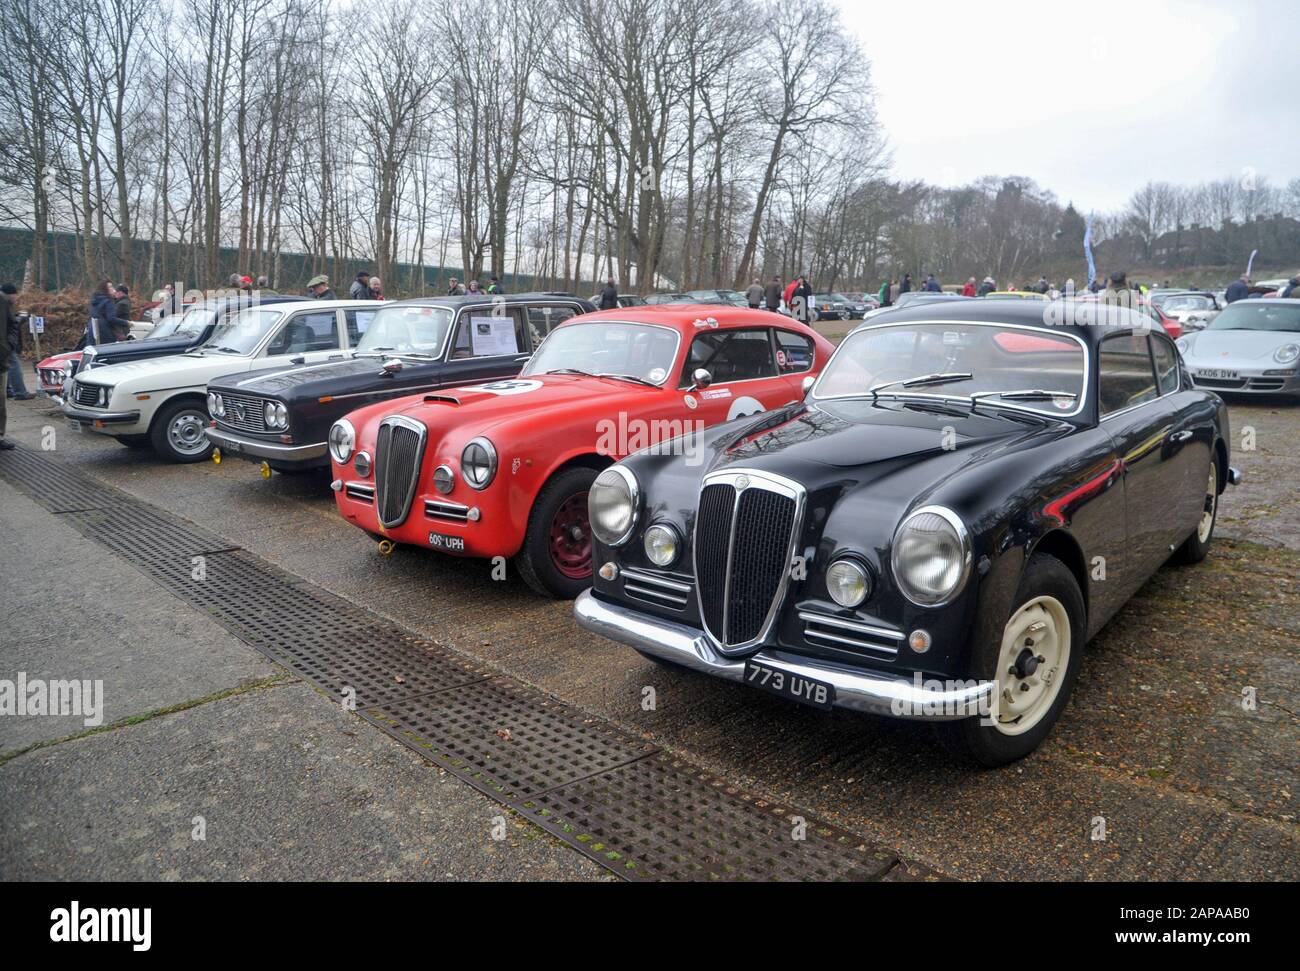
(657, 374)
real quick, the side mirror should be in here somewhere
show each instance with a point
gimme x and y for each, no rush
(390, 367)
(702, 377)
(808, 382)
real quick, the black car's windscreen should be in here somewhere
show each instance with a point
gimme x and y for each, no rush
(1258, 316)
(997, 358)
(406, 330)
(612, 347)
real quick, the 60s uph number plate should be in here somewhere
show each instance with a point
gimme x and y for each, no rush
(450, 544)
(794, 687)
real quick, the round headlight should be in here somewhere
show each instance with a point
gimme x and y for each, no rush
(662, 544)
(931, 556)
(611, 505)
(1182, 344)
(281, 415)
(479, 462)
(268, 413)
(1286, 353)
(848, 583)
(444, 479)
(342, 439)
(362, 464)
(212, 404)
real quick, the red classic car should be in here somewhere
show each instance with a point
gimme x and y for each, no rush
(503, 468)
(54, 370)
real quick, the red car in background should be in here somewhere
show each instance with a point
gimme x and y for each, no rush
(503, 468)
(54, 370)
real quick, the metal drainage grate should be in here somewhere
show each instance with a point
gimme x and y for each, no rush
(508, 740)
(660, 818)
(644, 814)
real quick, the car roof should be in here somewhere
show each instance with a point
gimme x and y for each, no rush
(1088, 319)
(476, 298)
(683, 316)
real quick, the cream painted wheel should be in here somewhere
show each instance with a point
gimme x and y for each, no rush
(1206, 525)
(1032, 662)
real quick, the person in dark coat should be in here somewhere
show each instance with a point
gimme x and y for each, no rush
(772, 295)
(360, 289)
(1292, 288)
(123, 304)
(12, 362)
(1238, 289)
(906, 285)
(803, 300)
(609, 296)
(8, 293)
(319, 288)
(105, 323)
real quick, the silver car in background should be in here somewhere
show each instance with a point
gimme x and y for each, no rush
(1193, 309)
(1251, 347)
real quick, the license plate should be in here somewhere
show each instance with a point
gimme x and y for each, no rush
(1219, 373)
(232, 447)
(451, 544)
(795, 687)
(74, 424)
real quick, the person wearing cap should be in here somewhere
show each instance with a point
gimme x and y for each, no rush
(1238, 289)
(494, 285)
(455, 289)
(319, 287)
(474, 288)
(360, 289)
(1292, 288)
(1118, 293)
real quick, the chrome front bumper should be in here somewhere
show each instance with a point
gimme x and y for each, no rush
(878, 694)
(94, 418)
(244, 447)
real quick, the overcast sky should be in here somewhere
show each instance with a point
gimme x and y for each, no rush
(1090, 98)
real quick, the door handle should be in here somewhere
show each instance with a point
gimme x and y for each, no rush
(1182, 436)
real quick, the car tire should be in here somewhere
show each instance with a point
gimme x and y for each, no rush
(1197, 545)
(173, 431)
(1048, 595)
(550, 563)
(135, 441)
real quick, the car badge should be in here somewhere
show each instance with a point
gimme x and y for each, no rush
(514, 467)
(240, 413)
(691, 403)
(742, 483)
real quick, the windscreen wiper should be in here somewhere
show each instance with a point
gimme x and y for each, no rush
(1029, 394)
(571, 370)
(628, 377)
(921, 381)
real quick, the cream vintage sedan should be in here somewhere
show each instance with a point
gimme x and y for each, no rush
(162, 402)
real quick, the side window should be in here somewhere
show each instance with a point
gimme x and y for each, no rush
(794, 352)
(1166, 364)
(542, 319)
(358, 323)
(1124, 374)
(318, 331)
(732, 355)
(481, 333)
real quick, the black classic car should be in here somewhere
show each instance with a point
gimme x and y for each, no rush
(177, 333)
(968, 492)
(281, 417)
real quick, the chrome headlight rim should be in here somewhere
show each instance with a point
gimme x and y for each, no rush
(674, 536)
(363, 464)
(1289, 358)
(634, 500)
(964, 571)
(342, 441)
(490, 449)
(212, 404)
(444, 479)
(855, 563)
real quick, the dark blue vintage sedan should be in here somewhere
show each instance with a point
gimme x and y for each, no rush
(966, 495)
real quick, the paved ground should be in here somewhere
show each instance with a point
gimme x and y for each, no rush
(280, 783)
(1156, 746)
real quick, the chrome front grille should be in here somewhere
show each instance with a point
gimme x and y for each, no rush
(746, 529)
(440, 509)
(658, 589)
(359, 491)
(243, 412)
(855, 636)
(86, 394)
(399, 448)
